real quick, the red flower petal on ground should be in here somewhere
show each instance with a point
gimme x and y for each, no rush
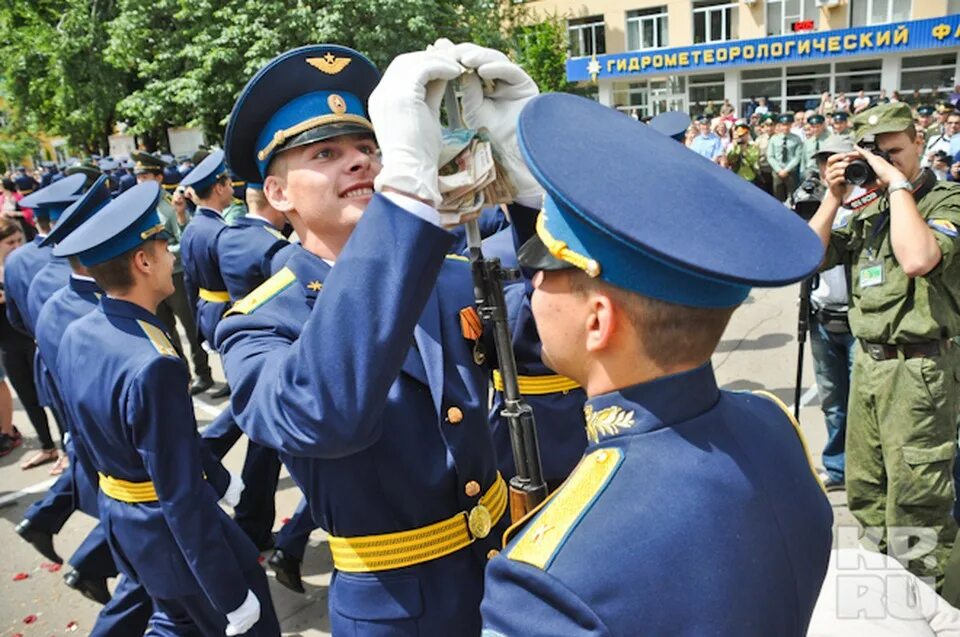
(19, 577)
(51, 567)
(72, 625)
(29, 619)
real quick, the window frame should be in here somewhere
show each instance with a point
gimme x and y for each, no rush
(662, 14)
(729, 28)
(581, 25)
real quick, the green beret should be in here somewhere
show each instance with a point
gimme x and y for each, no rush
(883, 118)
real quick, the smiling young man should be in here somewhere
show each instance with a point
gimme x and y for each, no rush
(351, 361)
(905, 290)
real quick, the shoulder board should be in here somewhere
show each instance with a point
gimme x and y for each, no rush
(458, 257)
(276, 233)
(546, 534)
(796, 428)
(158, 339)
(264, 292)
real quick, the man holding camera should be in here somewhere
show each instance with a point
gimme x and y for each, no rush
(744, 155)
(901, 246)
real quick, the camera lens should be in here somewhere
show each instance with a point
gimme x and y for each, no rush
(859, 173)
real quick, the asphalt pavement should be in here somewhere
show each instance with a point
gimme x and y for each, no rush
(758, 351)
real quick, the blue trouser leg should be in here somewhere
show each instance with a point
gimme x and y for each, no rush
(52, 511)
(832, 363)
(257, 508)
(195, 616)
(293, 536)
(93, 559)
(127, 612)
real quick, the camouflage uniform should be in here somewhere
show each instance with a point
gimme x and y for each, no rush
(905, 390)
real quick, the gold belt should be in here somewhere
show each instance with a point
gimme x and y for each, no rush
(126, 491)
(387, 551)
(215, 296)
(538, 385)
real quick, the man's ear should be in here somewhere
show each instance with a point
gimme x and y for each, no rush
(602, 322)
(275, 190)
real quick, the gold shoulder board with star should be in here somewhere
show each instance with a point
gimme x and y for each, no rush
(158, 339)
(796, 428)
(264, 292)
(329, 63)
(546, 533)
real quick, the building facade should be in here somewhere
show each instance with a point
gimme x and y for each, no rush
(648, 56)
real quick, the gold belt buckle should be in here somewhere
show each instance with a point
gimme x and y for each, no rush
(479, 521)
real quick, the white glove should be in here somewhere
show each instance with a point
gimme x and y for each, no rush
(495, 104)
(243, 619)
(231, 497)
(405, 111)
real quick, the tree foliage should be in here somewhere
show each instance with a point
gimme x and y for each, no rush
(75, 67)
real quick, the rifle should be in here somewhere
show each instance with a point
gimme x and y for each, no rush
(527, 487)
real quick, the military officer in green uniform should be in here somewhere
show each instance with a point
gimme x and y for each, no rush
(150, 167)
(812, 144)
(902, 247)
(841, 127)
(784, 154)
(924, 120)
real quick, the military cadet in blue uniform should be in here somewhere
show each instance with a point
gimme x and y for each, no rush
(206, 290)
(162, 520)
(25, 183)
(694, 510)
(20, 272)
(127, 612)
(351, 361)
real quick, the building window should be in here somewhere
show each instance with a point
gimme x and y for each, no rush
(782, 14)
(864, 13)
(646, 99)
(705, 89)
(805, 85)
(928, 73)
(631, 98)
(714, 21)
(766, 83)
(647, 29)
(587, 36)
(953, 6)
(862, 75)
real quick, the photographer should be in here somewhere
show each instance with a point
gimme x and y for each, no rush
(901, 247)
(743, 156)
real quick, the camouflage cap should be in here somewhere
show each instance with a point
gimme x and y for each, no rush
(883, 118)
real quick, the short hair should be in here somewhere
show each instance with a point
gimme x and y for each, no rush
(256, 200)
(8, 228)
(116, 274)
(9, 185)
(204, 193)
(669, 333)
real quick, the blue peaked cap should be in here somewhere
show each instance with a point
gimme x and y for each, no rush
(79, 211)
(300, 97)
(206, 172)
(632, 207)
(50, 202)
(121, 225)
(672, 124)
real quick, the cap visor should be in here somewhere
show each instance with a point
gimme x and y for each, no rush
(535, 256)
(328, 131)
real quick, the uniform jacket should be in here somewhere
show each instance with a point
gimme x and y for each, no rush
(894, 308)
(135, 418)
(785, 152)
(201, 268)
(245, 253)
(18, 271)
(360, 376)
(694, 511)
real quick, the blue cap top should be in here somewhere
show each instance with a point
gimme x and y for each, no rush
(82, 209)
(840, 116)
(51, 201)
(672, 124)
(302, 96)
(206, 172)
(815, 119)
(657, 219)
(787, 118)
(925, 109)
(123, 224)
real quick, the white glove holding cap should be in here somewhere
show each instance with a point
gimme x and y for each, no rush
(493, 98)
(405, 111)
(231, 497)
(244, 618)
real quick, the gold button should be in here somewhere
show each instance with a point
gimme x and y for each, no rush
(601, 456)
(455, 415)
(480, 521)
(492, 553)
(472, 489)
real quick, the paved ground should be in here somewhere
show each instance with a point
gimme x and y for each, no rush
(759, 351)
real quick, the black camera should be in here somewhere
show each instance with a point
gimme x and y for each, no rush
(807, 197)
(859, 172)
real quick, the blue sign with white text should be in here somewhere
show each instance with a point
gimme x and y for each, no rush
(932, 33)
